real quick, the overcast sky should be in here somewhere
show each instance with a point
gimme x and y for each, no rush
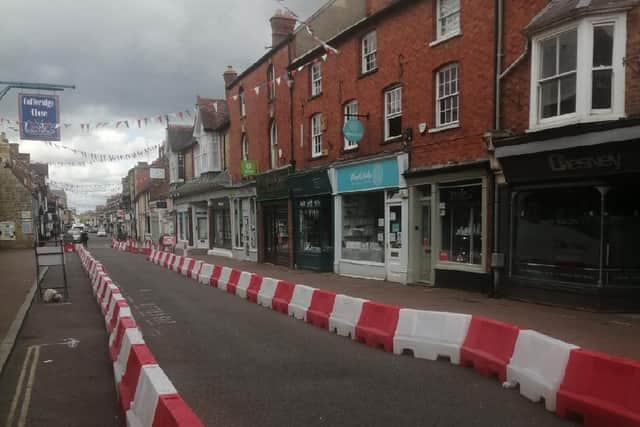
(128, 60)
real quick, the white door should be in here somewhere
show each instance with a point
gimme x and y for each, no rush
(395, 234)
(202, 229)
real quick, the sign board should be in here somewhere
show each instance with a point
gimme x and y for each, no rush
(39, 117)
(169, 240)
(7, 230)
(353, 130)
(25, 214)
(248, 168)
(156, 173)
(369, 176)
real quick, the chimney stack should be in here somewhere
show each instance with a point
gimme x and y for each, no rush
(229, 76)
(282, 24)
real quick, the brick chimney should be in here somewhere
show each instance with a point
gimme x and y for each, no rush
(229, 76)
(282, 24)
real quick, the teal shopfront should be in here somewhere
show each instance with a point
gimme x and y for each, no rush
(313, 220)
(371, 217)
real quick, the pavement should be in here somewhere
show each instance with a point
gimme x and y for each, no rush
(238, 364)
(616, 334)
(59, 373)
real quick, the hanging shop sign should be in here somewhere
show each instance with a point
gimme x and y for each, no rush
(248, 168)
(353, 130)
(369, 176)
(39, 117)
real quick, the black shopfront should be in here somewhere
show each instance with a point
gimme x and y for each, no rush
(570, 216)
(313, 220)
(272, 195)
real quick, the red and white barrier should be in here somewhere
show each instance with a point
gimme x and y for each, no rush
(225, 274)
(300, 301)
(377, 324)
(243, 284)
(205, 274)
(345, 315)
(184, 267)
(320, 308)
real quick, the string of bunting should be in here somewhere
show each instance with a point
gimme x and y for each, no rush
(100, 157)
(66, 186)
(160, 119)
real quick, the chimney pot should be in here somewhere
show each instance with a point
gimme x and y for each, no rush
(282, 24)
(229, 75)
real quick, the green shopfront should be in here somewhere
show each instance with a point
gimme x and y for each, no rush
(371, 218)
(272, 194)
(312, 220)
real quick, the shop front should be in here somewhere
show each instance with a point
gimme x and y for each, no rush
(242, 204)
(272, 194)
(571, 223)
(312, 220)
(220, 234)
(448, 224)
(371, 218)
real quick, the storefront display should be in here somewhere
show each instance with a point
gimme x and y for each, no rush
(461, 221)
(273, 196)
(363, 233)
(221, 223)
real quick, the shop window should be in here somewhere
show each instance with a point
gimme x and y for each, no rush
(239, 228)
(183, 226)
(461, 221)
(314, 224)
(363, 220)
(222, 224)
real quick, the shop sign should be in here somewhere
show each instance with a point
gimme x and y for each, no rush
(39, 117)
(156, 173)
(168, 240)
(248, 168)
(310, 184)
(273, 185)
(369, 176)
(353, 130)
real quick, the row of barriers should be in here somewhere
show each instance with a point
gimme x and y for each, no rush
(145, 394)
(133, 246)
(600, 389)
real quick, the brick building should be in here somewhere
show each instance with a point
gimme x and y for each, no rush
(568, 155)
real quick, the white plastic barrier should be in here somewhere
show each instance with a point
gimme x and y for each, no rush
(176, 261)
(195, 271)
(267, 289)
(112, 306)
(205, 274)
(430, 334)
(538, 364)
(223, 281)
(111, 289)
(161, 258)
(124, 312)
(345, 315)
(152, 383)
(132, 336)
(185, 265)
(300, 301)
(243, 284)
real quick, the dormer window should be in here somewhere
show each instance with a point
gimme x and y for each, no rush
(577, 72)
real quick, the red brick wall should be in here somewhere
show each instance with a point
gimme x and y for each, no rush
(141, 179)
(633, 67)
(374, 6)
(260, 112)
(405, 57)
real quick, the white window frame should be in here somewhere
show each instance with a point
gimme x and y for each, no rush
(216, 151)
(392, 113)
(449, 94)
(584, 69)
(350, 108)
(243, 104)
(271, 86)
(443, 18)
(316, 135)
(369, 52)
(316, 79)
(273, 145)
(244, 147)
(197, 160)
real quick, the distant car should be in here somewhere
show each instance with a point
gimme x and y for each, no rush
(76, 234)
(102, 233)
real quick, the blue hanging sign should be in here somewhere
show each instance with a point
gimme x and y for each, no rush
(369, 176)
(353, 130)
(39, 117)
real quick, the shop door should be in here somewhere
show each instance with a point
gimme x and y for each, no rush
(425, 252)
(202, 230)
(394, 251)
(276, 233)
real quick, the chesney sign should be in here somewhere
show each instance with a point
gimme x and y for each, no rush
(39, 117)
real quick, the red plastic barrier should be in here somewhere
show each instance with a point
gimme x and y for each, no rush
(320, 308)
(189, 267)
(233, 281)
(173, 411)
(377, 325)
(69, 247)
(215, 276)
(124, 324)
(282, 296)
(603, 389)
(489, 346)
(138, 356)
(168, 262)
(254, 288)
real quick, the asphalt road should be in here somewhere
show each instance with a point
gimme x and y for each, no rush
(238, 364)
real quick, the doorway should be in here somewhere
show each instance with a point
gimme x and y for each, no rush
(424, 259)
(394, 253)
(276, 233)
(202, 229)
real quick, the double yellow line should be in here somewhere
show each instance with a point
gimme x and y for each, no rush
(28, 371)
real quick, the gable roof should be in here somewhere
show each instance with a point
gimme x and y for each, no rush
(179, 137)
(558, 11)
(213, 118)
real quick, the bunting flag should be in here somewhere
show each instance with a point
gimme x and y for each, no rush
(91, 157)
